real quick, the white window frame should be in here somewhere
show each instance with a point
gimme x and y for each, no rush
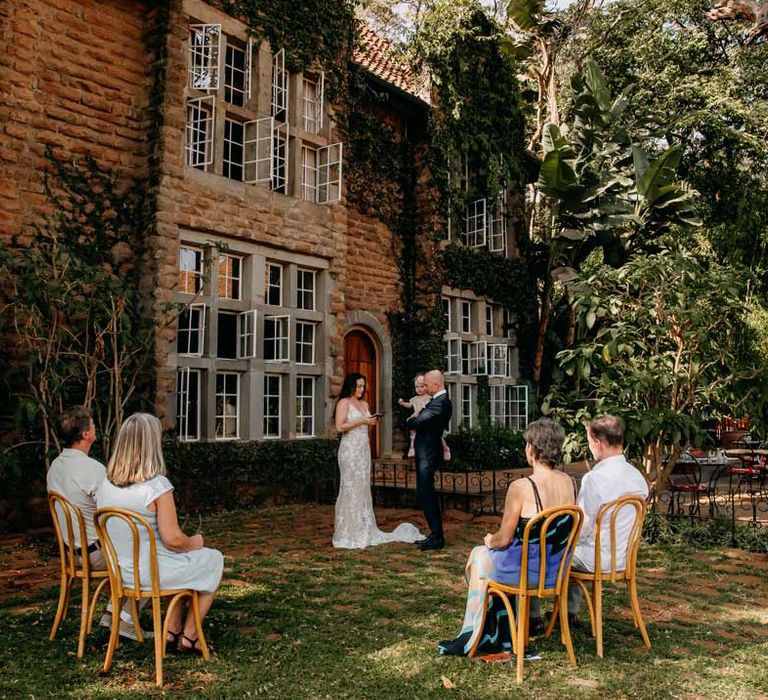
(279, 416)
(282, 342)
(201, 330)
(204, 69)
(258, 150)
(182, 388)
(198, 273)
(269, 285)
(197, 126)
(478, 357)
(224, 418)
(246, 334)
(225, 141)
(279, 85)
(497, 360)
(308, 174)
(312, 112)
(300, 397)
(475, 224)
(301, 273)
(226, 277)
(453, 356)
(466, 305)
(465, 353)
(301, 342)
(489, 319)
(499, 404)
(515, 419)
(497, 229)
(281, 156)
(446, 304)
(247, 55)
(330, 157)
(467, 418)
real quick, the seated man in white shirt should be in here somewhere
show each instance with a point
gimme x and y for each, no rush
(76, 476)
(610, 478)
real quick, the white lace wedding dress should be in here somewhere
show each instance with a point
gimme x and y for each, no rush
(354, 522)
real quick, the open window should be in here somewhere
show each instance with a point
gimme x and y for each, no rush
(201, 113)
(478, 361)
(279, 87)
(475, 224)
(257, 150)
(312, 100)
(204, 56)
(188, 404)
(453, 356)
(246, 334)
(279, 179)
(329, 173)
(497, 228)
(190, 339)
(497, 360)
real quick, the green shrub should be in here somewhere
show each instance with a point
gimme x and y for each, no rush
(707, 533)
(487, 447)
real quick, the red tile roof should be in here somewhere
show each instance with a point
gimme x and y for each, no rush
(376, 54)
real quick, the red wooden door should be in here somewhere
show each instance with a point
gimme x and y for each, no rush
(360, 356)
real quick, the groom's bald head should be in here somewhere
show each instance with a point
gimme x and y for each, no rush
(434, 381)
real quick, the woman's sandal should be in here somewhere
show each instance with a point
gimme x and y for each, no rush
(194, 646)
(173, 645)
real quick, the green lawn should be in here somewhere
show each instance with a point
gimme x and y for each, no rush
(297, 619)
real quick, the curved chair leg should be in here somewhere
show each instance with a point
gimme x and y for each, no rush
(473, 649)
(60, 610)
(84, 618)
(135, 618)
(94, 602)
(114, 633)
(511, 618)
(632, 583)
(587, 596)
(199, 627)
(553, 617)
(523, 610)
(565, 630)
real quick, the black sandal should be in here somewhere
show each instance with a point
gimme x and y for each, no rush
(173, 645)
(194, 646)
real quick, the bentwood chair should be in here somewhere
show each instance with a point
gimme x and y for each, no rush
(544, 570)
(132, 522)
(67, 520)
(628, 573)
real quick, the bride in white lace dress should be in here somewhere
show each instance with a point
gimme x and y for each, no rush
(354, 522)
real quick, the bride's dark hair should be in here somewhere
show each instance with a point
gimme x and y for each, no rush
(350, 384)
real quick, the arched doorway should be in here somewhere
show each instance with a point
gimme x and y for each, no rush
(361, 355)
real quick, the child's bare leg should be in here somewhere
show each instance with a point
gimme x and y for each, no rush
(412, 448)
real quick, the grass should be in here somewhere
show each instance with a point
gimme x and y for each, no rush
(297, 619)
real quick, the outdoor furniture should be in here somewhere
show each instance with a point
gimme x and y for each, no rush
(135, 593)
(613, 574)
(74, 566)
(558, 583)
(688, 482)
(748, 473)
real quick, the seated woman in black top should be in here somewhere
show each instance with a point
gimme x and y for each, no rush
(500, 557)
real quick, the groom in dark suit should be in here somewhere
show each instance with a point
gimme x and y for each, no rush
(429, 425)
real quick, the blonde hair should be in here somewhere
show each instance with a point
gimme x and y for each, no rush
(138, 453)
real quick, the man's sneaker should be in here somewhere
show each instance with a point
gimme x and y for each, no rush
(126, 628)
(532, 655)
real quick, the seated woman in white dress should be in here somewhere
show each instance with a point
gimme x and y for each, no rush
(136, 481)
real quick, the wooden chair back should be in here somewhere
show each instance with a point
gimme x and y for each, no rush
(611, 510)
(68, 519)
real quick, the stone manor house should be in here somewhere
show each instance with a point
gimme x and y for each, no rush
(247, 154)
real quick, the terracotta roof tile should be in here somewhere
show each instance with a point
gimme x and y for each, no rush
(376, 54)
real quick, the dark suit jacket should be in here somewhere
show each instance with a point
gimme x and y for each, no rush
(429, 425)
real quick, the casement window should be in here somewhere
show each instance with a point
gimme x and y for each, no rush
(232, 160)
(201, 113)
(453, 355)
(497, 229)
(497, 360)
(227, 411)
(279, 179)
(246, 334)
(273, 292)
(329, 173)
(446, 306)
(465, 355)
(188, 404)
(190, 338)
(466, 316)
(467, 402)
(305, 406)
(230, 280)
(277, 338)
(312, 101)
(475, 224)
(204, 56)
(309, 173)
(237, 73)
(478, 362)
(517, 407)
(489, 319)
(305, 289)
(190, 270)
(258, 150)
(272, 403)
(279, 87)
(236, 335)
(305, 343)
(499, 404)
